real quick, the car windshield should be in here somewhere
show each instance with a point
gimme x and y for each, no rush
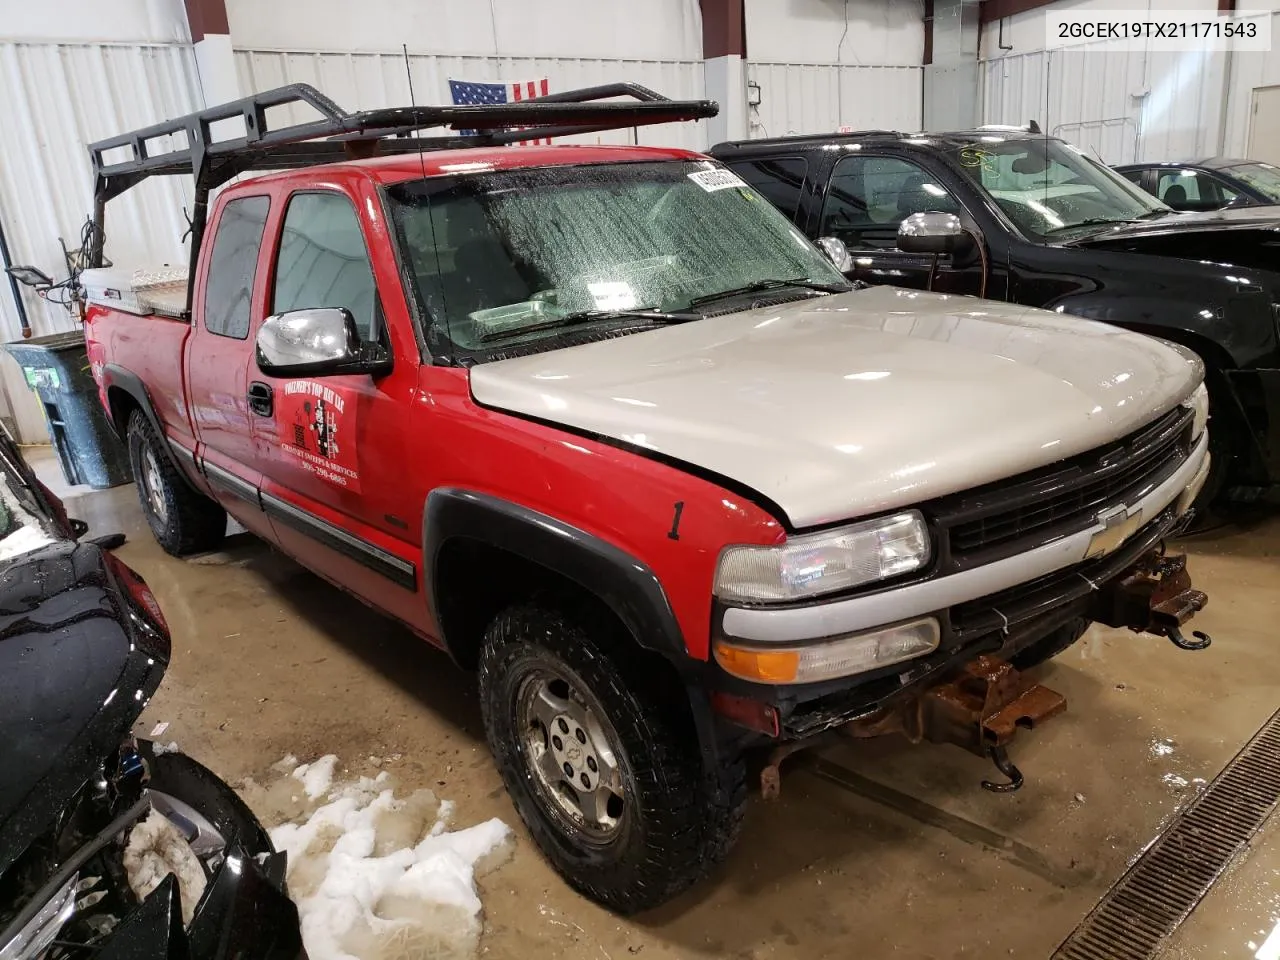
(517, 254)
(1048, 188)
(1263, 177)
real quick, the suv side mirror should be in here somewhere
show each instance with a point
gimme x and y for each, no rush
(320, 342)
(932, 233)
(836, 252)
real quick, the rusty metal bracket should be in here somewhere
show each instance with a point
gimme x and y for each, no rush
(1155, 597)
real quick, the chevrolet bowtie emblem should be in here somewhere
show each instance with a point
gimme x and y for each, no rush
(1118, 525)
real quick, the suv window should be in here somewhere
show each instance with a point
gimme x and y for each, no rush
(232, 266)
(1193, 190)
(868, 198)
(322, 261)
(1133, 176)
(777, 179)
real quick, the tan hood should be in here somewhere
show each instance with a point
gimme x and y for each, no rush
(846, 405)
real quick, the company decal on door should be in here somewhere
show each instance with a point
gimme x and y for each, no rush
(318, 431)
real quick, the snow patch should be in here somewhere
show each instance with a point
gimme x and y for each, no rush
(317, 777)
(162, 748)
(156, 849)
(1161, 748)
(380, 877)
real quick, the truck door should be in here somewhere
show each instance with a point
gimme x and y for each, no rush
(334, 452)
(218, 355)
(867, 198)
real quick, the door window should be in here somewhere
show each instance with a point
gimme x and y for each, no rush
(868, 197)
(323, 263)
(777, 179)
(1133, 176)
(1193, 190)
(232, 265)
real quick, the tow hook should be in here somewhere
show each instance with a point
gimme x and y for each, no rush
(1000, 757)
(1182, 643)
(1156, 597)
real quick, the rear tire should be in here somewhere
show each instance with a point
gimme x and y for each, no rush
(557, 696)
(182, 520)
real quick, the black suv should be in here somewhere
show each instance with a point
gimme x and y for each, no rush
(1010, 214)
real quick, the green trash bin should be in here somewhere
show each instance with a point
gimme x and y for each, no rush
(57, 369)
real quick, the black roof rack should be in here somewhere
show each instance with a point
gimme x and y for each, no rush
(338, 135)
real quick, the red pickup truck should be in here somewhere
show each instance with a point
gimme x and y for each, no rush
(602, 424)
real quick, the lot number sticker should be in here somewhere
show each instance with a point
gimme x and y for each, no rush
(713, 180)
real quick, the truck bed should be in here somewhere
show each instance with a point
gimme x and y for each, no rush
(143, 291)
(148, 346)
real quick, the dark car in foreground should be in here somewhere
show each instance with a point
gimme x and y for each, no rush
(1211, 184)
(1013, 215)
(109, 846)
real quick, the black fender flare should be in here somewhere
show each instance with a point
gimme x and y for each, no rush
(118, 378)
(625, 584)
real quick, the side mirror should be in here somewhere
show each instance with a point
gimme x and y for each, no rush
(933, 233)
(836, 252)
(320, 342)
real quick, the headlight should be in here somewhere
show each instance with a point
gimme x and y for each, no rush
(828, 659)
(818, 563)
(1199, 404)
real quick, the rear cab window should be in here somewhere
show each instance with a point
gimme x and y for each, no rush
(778, 179)
(233, 264)
(322, 261)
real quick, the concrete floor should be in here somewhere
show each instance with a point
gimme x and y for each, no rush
(268, 659)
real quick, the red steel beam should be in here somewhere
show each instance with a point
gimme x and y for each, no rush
(724, 29)
(205, 17)
(994, 10)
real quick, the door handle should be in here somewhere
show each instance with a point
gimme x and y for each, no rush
(260, 396)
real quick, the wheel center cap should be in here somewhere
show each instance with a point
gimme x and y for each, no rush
(573, 752)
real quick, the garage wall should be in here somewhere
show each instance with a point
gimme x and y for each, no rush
(358, 61)
(821, 64)
(70, 73)
(1122, 105)
(1248, 72)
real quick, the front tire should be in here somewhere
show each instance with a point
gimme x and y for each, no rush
(182, 520)
(602, 759)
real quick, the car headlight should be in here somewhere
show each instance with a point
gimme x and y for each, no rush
(1199, 404)
(817, 563)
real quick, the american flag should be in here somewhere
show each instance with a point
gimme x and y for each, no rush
(466, 93)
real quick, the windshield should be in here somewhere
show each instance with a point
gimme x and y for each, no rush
(505, 256)
(1263, 177)
(1048, 188)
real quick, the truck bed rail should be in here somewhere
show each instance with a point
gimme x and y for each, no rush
(337, 134)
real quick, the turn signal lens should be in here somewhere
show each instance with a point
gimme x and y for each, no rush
(763, 666)
(828, 659)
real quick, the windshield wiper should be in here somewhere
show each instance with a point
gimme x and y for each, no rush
(591, 316)
(761, 285)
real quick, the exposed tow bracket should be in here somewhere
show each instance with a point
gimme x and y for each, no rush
(1156, 597)
(981, 709)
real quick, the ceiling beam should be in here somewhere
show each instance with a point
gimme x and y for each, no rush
(994, 10)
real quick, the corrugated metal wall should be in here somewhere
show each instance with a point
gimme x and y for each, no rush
(1125, 106)
(362, 81)
(54, 99)
(1249, 71)
(818, 97)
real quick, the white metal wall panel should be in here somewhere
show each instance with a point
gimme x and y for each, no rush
(362, 81)
(1121, 106)
(813, 98)
(54, 99)
(1249, 71)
